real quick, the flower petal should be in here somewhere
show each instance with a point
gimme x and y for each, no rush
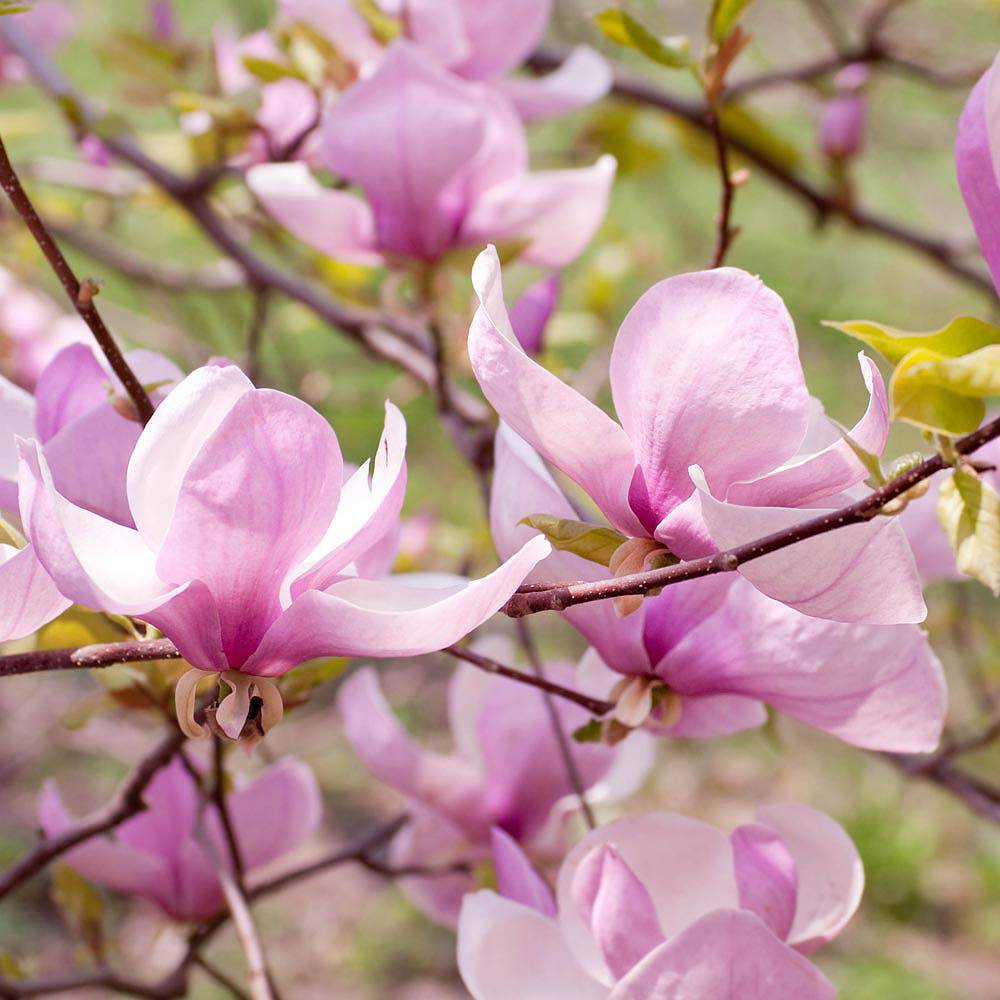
(695, 354)
(500, 37)
(584, 77)
(831, 878)
(387, 618)
(558, 211)
(530, 313)
(508, 950)
(727, 955)
(17, 417)
(28, 597)
(516, 878)
(334, 222)
(564, 427)
(766, 876)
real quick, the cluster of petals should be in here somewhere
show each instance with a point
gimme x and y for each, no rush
(171, 852)
(75, 417)
(719, 442)
(505, 771)
(724, 650)
(249, 548)
(442, 162)
(669, 907)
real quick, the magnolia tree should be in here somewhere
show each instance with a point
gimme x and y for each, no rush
(701, 553)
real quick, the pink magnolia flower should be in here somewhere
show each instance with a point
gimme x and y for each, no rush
(45, 27)
(160, 854)
(842, 123)
(719, 442)
(723, 650)
(249, 550)
(448, 167)
(75, 417)
(33, 330)
(505, 771)
(668, 907)
(481, 40)
(977, 161)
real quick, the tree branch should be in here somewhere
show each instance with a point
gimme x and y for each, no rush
(88, 657)
(81, 296)
(556, 597)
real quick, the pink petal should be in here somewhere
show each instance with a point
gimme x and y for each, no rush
(879, 687)
(517, 880)
(230, 52)
(438, 27)
(337, 20)
(686, 867)
(566, 429)
(811, 477)
(584, 77)
(931, 549)
(17, 417)
(175, 434)
(500, 35)
(368, 510)
(766, 876)
(531, 312)
(695, 354)
(404, 135)
(172, 801)
(830, 874)
(276, 812)
(447, 785)
(28, 597)
(713, 716)
(508, 950)
(977, 161)
(288, 108)
(862, 573)
(559, 211)
(728, 955)
(616, 907)
(336, 223)
(72, 384)
(386, 618)
(254, 500)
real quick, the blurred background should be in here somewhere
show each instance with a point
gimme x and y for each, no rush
(929, 927)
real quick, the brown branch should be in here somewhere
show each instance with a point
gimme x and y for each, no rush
(595, 706)
(637, 90)
(725, 232)
(219, 798)
(556, 597)
(980, 797)
(126, 803)
(88, 657)
(220, 977)
(81, 296)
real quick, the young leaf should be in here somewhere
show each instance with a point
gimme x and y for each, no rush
(920, 397)
(723, 18)
(13, 7)
(969, 509)
(589, 732)
(624, 29)
(269, 71)
(591, 541)
(962, 335)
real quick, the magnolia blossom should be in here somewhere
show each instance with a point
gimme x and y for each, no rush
(249, 550)
(530, 314)
(480, 40)
(704, 657)
(977, 160)
(76, 416)
(505, 771)
(668, 907)
(33, 330)
(842, 124)
(443, 162)
(45, 26)
(719, 441)
(161, 854)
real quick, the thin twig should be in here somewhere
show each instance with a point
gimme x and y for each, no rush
(220, 977)
(595, 706)
(219, 798)
(562, 740)
(105, 654)
(80, 295)
(725, 232)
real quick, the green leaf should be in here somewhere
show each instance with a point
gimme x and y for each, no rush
(81, 907)
(270, 71)
(13, 7)
(969, 509)
(624, 29)
(10, 967)
(918, 397)
(591, 541)
(383, 26)
(589, 732)
(869, 460)
(962, 335)
(723, 18)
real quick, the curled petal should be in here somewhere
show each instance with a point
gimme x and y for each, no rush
(184, 700)
(273, 709)
(584, 77)
(28, 597)
(766, 875)
(516, 878)
(231, 715)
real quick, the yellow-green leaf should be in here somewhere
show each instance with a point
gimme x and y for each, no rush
(9, 535)
(270, 71)
(10, 967)
(13, 7)
(962, 335)
(624, 29)
(81, 907)
(969, 509)
(591, 541)
(919, 397)
(723, 18)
